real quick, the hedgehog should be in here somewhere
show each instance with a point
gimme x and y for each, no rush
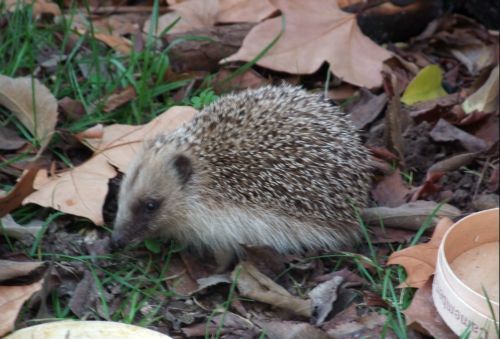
(274, 166)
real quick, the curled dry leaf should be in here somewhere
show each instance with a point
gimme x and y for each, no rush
(391, 191)
(13, 269)
(244, 10)
(119, 98)
(227, 325)
(193, 14)
(253, 284)
(446, 132)
(291, 330)
(322, 297)
(409, 216)
(12, 229)
(315, 32)
(33, 105)
(423, 312)
(82, 190)
(485, 99)
(9, 140)
(348, 324)
(119, 143)
(419, 261)
(366, 108)
(12, 297)
(39, 7)
(118, 43)
(21, 190)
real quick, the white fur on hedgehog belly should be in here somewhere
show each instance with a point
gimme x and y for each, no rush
(224, 229)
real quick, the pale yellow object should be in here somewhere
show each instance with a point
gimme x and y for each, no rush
(86, 330)
(479, 267)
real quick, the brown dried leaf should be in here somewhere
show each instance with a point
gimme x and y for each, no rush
(475, 56)
(82, 190)
(17, 95)
(244, 10)
(348, 324)
(446, 132)
(9, 140)
(14, 269)
(452, 163)
(422, 312)
(193, 14)
(12, 297)
(228, 325)
(118, 43)
(21, 190)
(485, 99)
(393, 132)
(12, 229)
(253, 284)
(39, 7)
(119, 98)
(120, 142)
(409, 216)
(322, 298)
(366, 108)
(316, 31)
(71, 109)
(391, 191)
(291, 330)
(250, 79)
(178, 278)
(419, 261)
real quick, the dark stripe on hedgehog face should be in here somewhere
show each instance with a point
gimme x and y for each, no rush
(183, 168)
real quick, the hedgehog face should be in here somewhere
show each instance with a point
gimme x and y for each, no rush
(152, 197)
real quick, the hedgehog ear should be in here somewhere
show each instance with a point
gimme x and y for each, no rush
(183, 167)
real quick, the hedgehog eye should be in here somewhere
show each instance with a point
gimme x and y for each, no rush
(151, 205)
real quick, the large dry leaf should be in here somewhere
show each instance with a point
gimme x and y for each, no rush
(193, 14)
(12, 269)
(423, 312)
(80, 191)
(253, 284)
(21, 190)
(316, 31)
(443, 131)
(244, 10)
(33, 105)
(12, 297)
(83, 189)
(419, 261)
(39, 7)
(119, 143)
(485, 99)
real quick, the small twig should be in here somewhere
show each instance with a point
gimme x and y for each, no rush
(481, 176)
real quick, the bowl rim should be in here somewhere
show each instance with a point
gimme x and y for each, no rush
(442, 255)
